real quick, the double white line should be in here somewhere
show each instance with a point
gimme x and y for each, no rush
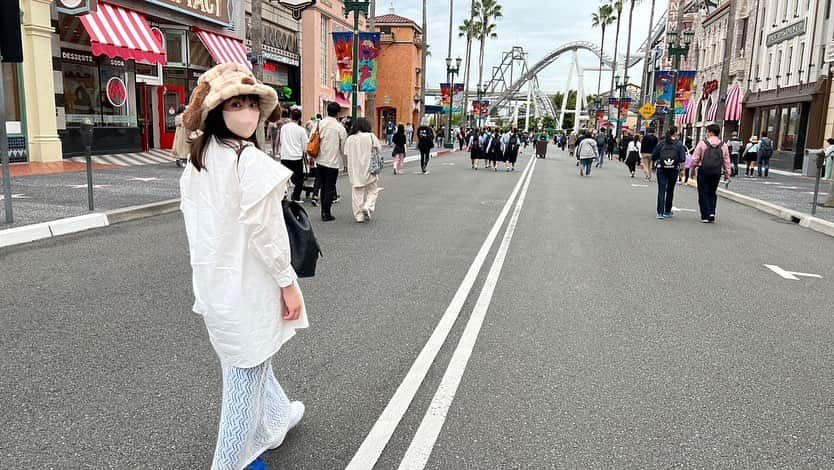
(421, 446)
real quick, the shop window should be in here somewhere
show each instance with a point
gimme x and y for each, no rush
(772, 126)
(791, 123)
(198, 56)
(99, 89)
(117, 87)
(175, 47)
(82, 95)
(11, 92)
(757, 122)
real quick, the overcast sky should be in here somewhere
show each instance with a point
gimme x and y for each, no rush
(540, 26)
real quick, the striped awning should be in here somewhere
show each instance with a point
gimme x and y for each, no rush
(689, 116)
(224, 49)
(118, 32)
(733, 112)
(712, 113)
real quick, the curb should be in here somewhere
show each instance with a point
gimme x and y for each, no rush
(801, 218)
(54, 228)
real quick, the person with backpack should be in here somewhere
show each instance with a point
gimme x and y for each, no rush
(633, 157)
(493, 149)
(474, 148)
(390, 130)
(709, 159)
(766, 147)
(735, 144)
(750, 155)
(586, 153)
(667, 158)
(511, 150)
(647, 146)
(601, 139)
(425, 142)
(400, 143)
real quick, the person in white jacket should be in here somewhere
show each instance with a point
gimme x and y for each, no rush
(358, 147)
(244, 285)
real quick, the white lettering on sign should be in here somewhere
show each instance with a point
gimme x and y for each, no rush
(76, 56)
(790, 275)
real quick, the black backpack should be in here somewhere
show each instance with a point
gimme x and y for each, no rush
(766, 147)
(669, 158)
(304, 248)
(512, 145)
(713, 160)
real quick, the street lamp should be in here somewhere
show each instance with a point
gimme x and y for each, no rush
(621, 87)
(676, 51)
(356, 7)
(450, 76)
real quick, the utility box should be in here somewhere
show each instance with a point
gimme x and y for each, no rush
(813, 163)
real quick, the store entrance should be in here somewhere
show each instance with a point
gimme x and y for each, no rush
(170, 98)
(145, 116)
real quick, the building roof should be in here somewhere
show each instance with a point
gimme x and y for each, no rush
(394, 19)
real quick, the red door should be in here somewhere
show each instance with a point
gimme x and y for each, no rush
(170, 98)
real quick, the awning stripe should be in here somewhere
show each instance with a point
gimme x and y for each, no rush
(119, 32)
(733, 112)
(224, 49)
(712, 114)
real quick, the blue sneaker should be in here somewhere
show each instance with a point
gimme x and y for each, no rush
(661, 216)
(669, 215)
(258, 464)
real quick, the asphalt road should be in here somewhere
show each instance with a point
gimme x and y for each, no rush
(611, 340)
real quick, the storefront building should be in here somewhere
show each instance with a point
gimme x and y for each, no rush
(15, 107)
(398, 95)
(318, 67)
(281, 51)
(789, 79)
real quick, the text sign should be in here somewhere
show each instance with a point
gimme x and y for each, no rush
(212, 10)
(790, 31)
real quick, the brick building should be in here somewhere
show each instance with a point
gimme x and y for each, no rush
(398, 93)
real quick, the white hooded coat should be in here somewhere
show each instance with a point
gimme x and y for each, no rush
(240, 252)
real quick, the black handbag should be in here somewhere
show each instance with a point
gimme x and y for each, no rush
(304, 248)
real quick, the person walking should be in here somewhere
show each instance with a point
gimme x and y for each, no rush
(647, 146)
(425, 142)
(511, 150)
(572, 144)
(633, 157)
(474, 148)
(399, 140)
(586, 154)
(331, 158)
(611, 146)
(667, 158)
(359, 147)
(766, 147)
(735, 145)
(293, 145)
(601, 139)
(244, 286)
(390, 129)
(710, 158)
(181, 148)
(409, 134)
(750, 155)
(623, 147)
(829, 158)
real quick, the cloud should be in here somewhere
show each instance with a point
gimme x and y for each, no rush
(540, 26)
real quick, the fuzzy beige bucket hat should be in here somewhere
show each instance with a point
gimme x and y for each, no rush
(222, 82)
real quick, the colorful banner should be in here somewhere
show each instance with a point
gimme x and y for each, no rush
(457, 100)
(625, 103)
(686, 80)
(343, 43)
(663, 90)
(368, 61)
(480, 108)
(445, 97)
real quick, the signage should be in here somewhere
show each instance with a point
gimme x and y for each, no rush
(647, 111)
(297, 6)
(77, 56)
(710, 87)
(788, 32)
(116, 92)
(75, 7)
(216, 11)
(275, 36)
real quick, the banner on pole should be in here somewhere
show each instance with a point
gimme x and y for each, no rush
(480, 108)
(686, 79)
(663, 90)
(368, 61)
(457, 100)
(445, 96)
(343, 43)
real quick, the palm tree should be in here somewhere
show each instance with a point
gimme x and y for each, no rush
(628, 42)
(487, 12)
(468, 30)
(602, 19)
(618, 6)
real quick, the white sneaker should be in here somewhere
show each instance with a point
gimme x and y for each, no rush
(296, 413)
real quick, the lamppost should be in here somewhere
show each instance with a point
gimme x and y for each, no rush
(480, 92)
(356, 7)
(676, 51)
(621, 87)
(450, 75)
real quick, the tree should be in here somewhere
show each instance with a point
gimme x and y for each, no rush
(487, 13)
(618, 6)
(628, 42)
(557, 103)
(602, 19)
(468, 30)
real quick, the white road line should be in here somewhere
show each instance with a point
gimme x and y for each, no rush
(373, 445)
(421, 446)
(790, 275)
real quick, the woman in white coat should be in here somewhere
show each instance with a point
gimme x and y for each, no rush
(244, 285)
(358, 148)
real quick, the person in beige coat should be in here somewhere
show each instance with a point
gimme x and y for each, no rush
(358, 148)
(181, 147)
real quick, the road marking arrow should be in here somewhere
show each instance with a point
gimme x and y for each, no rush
(791, 275)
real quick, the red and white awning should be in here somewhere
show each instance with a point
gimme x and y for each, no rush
(224, 49)
(734, 96)
(118, 32)
(712, 114)
(689, 116)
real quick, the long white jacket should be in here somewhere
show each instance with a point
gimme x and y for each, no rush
(358, 148)
(240, 253)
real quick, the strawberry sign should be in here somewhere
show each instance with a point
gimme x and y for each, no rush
(116, 92)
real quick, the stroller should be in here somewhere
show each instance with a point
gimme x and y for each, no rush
(310, 184)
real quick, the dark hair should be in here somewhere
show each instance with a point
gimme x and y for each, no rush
(636, 137)
(400, 129)
(670, 134)
(830, 140)
(215, 126)
(318, 115)
(714, 129)
(764, 134)
(295, 115)
(362, 125)
(333, 109)
(285, 113)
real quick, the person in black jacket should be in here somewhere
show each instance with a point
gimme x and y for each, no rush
(399, 142)
(667, 157)
(425, 142)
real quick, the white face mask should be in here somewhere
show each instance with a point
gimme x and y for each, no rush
(242, 122)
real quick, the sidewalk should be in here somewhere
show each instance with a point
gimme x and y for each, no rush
(48, 192)
(789, 190)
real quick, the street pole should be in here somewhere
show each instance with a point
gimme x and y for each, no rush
(4, 154)
(729, 42)
(674, 110)
(370, 113)
(256, 35)
(356, 7)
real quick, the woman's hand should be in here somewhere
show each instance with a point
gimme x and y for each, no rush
(291, 296)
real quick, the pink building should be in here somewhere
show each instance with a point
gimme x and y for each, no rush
(319, 73)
